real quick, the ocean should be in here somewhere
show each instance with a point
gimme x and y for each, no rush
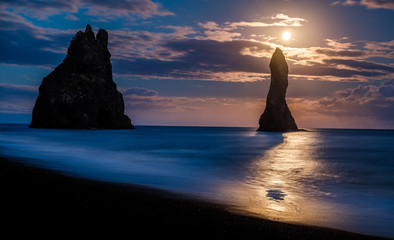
(338, 178)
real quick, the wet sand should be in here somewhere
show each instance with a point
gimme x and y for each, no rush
(39, 202)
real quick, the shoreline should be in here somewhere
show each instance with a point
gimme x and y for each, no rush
(39, 201)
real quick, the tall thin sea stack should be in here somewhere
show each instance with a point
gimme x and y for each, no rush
(80, 93)
(277, 116)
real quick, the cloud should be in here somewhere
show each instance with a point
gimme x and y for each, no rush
(342, 60)
(201, 59)
(360, 106)
(177, 56)
(318, 69)
(225, 32)
(17, 23)
(372, 101)
(341, 53)
(370, 4)
(40, 9)
(17, 99)
(221, 36)
(180, 31)
(209, 25)
(71, 17)
(360, 50)
(139, 92)
(373, 4)
(349, 3)
(360, 65)
(132, 45)
(181, 52)
(204, 59)
(284, 21)
(214, 31)
(123, 8)
(339, 44)
(29, 41)
(68, 5)
(380, 46)
(105, 9)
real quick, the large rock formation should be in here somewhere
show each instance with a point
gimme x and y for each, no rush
(277, 116)
(80, 92)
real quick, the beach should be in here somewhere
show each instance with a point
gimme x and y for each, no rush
(39, 202)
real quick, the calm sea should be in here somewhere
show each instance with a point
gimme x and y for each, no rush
(327, 177)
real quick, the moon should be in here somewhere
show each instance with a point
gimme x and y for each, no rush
(286, 36)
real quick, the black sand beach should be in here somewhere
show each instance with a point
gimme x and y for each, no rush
(39, 202)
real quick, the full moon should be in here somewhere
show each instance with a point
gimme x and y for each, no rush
(286, 36)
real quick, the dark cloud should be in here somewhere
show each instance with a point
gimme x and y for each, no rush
(319, 69)
(201, 58)
(172, 55)
(40, 9)
(65, 5)
(360, 65)
(126, 5)
(107, 9)
(341, 53)
(223, 56)
(387, 89)
(27, 52)
(144, 8)
(23, 43)
(187, 58)
(374, 101)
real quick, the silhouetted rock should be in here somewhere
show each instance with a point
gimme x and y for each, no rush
(80, 92)
(277, 116)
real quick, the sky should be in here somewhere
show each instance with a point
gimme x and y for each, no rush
(206, 62)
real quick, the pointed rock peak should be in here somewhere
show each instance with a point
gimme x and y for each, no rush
(278, 54)
(278, 50)
(278, 62)
(88, 34)
(88, 28)
(102, 38)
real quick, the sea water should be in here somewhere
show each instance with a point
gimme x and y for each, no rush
(327, 177)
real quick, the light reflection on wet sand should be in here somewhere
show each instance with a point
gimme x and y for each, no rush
(283, 184)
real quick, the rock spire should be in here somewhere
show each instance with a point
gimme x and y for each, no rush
(277, 116)
(80, 92)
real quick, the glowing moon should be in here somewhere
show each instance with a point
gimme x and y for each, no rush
(286, 36)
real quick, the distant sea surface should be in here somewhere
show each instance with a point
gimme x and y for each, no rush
(335, 178)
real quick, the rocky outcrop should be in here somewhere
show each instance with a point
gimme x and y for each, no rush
(277, 116)
(80, 92)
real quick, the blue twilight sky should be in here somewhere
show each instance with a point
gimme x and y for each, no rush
(205, 62)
